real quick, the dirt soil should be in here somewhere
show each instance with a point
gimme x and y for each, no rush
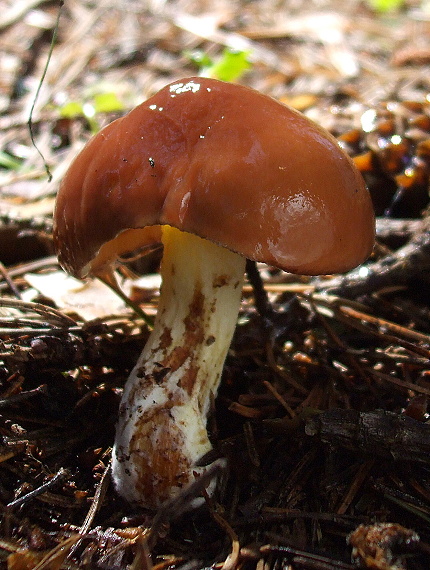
(322, 414)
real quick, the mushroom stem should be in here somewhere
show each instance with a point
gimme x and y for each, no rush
(161, 432)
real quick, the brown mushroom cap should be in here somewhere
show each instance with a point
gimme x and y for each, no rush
(226, 163)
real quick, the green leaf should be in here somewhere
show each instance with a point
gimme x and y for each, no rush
(72, 110)
(384, 6)
(107, 103)
(8, 161)
(231, 66)
(198, 57)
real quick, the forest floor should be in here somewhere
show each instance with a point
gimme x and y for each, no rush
(322, 413)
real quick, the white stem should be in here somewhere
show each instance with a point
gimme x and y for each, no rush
(161, 431)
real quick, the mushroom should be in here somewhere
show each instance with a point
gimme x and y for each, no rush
(219, 173)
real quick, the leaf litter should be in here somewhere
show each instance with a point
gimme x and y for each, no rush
(320, 428)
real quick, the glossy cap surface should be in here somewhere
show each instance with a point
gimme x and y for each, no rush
(226, 163)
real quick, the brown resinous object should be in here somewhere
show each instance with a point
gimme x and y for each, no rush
(219, 173)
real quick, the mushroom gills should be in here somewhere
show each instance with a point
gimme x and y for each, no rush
(161, 432)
